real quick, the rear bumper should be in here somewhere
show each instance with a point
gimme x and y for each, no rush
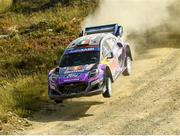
(91, 90)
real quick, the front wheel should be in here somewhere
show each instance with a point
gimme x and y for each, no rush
(128, 69)
(107, 88)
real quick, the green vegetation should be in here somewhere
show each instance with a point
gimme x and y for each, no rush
(4, 5)
(32, 35)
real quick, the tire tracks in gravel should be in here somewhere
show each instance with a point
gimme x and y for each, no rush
(154, 76)
(145, 103)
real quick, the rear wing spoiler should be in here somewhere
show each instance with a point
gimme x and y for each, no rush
(114, 29)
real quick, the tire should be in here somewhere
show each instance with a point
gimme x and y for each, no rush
(107, 88)
(128, 70)
(58, 101)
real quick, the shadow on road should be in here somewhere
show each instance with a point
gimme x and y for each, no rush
(68, 111)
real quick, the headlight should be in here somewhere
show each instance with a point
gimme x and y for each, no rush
(93, 73)
(53, 77)
(52, 81)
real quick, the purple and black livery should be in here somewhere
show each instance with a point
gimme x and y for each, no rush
(90, 64)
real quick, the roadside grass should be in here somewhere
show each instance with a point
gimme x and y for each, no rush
(40, 36)
(34, 40)
(20, 98)
(4, 5)
(23, 95)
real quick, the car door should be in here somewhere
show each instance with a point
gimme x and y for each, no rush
(116, 48)
(117, 53)
(109, 57)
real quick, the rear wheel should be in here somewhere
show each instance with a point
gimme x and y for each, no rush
(107, 87)
(128, 69)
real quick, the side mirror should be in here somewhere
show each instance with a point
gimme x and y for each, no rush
(57, 70)
(56, 62)
(110, 55)
(119, 44)
(81, 34)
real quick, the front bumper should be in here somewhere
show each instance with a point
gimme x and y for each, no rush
(72, 90)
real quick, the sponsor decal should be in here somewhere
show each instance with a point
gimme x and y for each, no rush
(81, 50)
(72, 75)
(105, 62)
(69, 80)
(78, 69)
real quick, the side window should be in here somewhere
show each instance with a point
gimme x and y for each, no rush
(103, 52)
(105, 49)
(111, 42)
(120, 45)
(115, 48)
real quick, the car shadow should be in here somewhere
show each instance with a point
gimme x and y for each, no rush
(67, 111)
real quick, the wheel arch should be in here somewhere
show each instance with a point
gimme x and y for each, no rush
(109, 73)
(128, 52)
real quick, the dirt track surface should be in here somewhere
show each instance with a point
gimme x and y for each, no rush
(147, 102)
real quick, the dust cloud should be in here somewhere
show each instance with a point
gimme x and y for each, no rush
(133, 15)
(165, 34)
(147, 23)
(174, 17)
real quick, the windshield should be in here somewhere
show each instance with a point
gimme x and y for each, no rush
(77, 59)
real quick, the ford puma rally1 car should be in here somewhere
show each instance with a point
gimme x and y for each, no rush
(90, 64)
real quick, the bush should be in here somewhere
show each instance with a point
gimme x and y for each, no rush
(4, 5)
(23, 95)
(34, 40)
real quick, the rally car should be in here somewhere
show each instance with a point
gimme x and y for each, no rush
(90, 64)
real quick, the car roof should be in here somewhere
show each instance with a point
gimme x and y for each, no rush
(92, 40)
